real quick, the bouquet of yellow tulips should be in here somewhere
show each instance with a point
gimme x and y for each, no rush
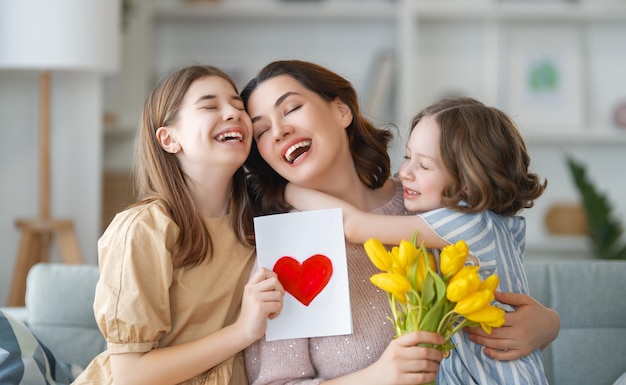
(440, 298)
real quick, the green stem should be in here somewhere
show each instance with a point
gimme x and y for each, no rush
(458, 327)
(444, 320)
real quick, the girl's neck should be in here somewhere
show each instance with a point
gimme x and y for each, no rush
(211, 197)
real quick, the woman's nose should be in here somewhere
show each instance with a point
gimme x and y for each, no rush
(281, 131)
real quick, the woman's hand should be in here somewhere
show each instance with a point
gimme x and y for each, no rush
(531, 326)
(262, 300)
(403, 362)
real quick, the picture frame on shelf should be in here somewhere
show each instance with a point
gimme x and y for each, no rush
(546, 86)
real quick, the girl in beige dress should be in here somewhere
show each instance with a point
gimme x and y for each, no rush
(174, 301)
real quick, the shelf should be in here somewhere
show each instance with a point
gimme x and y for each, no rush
(599, 138)
(119, 132)
(519, 11)
(276, 11)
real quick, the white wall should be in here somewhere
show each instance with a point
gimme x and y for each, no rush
(76, 152)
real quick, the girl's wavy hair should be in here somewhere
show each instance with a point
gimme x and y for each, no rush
(485, 156)
(368, 144)
(158, 176)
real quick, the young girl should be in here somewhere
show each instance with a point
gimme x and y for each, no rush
(174, 266)
(466, 172)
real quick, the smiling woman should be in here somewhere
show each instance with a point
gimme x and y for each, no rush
(308, 130)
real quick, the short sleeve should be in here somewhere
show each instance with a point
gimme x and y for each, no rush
(132, 305)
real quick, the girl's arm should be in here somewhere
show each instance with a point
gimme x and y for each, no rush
(262, 299)
(359, 226)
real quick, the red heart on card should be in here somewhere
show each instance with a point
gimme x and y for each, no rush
(304, 281)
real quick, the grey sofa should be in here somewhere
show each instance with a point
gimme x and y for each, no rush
(59, 310)
(588, 294)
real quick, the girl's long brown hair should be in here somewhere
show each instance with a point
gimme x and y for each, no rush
(368, 144)
(485, 156)
(158, 176)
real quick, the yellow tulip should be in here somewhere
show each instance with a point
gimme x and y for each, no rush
(421, 267)
(491, 283)
(452, 258)
(474, 302)
(406, 255)
(396, 284)
(488, 317)
(378, 254)
(396, 265)
(463, 283)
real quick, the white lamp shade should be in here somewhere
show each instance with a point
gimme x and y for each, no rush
(60, 34)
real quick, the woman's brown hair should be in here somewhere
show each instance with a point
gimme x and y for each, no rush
(485, 156)
(368, 144)
(158, 176)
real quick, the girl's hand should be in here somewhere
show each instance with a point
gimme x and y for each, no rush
(403, 362)
(262, 300)
(531, 326)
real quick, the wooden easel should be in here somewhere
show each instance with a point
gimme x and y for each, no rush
(37, 234)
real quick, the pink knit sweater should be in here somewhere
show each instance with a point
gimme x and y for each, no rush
(313, 360)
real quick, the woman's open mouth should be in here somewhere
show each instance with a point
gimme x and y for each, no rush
(297, 150)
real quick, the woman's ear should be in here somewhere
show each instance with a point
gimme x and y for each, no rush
(167, 140)
(345, 113)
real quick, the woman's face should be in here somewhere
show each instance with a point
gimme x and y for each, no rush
(422, 173)
(212, 131)
(300, 135)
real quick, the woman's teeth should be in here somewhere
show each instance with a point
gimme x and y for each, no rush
(296, 150)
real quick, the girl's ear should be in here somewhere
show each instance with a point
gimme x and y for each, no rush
(345, 113)
(167, 140)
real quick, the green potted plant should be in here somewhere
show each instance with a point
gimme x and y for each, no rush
(605, 231)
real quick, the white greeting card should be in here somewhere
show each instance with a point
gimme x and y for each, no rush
(307, 250)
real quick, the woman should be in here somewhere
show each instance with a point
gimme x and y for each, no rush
(308, 130)
(173, 267)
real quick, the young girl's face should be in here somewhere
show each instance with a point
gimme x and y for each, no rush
(422, 173)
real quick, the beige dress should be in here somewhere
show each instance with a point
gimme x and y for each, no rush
(143, 303)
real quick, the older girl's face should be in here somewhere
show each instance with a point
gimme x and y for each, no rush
(300, 135)
(212, 131)
(422, 173)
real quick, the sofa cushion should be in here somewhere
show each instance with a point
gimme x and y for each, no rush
(24, 359)
(59, 303)
(589, 297)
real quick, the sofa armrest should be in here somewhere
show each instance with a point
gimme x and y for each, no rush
(59, 303)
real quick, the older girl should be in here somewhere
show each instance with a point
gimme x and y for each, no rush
(174, 266)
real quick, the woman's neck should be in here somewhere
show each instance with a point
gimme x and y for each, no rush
(354, 191)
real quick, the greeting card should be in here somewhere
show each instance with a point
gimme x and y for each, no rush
(308, 253)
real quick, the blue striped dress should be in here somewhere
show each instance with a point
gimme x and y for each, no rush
(498, 242)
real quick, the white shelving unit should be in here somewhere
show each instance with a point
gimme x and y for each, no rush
(441, 47)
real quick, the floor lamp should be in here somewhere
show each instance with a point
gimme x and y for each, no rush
(47, 36)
